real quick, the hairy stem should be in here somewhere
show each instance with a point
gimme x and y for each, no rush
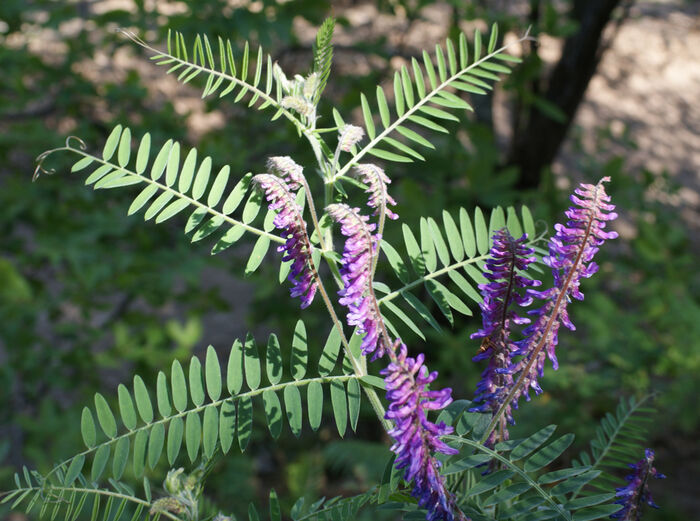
(357, 365)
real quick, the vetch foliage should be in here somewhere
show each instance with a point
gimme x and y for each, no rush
(452, 459)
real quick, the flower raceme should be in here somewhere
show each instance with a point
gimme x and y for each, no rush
(349, 136)
(285, 168)
(376, 181)
(290, 221)
(571, 252)
(416, 438)
(356, 274)
(636, 493)
(509, 258)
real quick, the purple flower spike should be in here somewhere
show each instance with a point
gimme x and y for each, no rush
(297, 247)
(571, 252)
(636, 493)
(416, 438)
(508, 258)
(356, 274)
(285, 168)
(376, 181)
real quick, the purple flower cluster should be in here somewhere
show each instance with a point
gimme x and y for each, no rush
(376, 181)
(407, 379)
(509, 257)
(416, 437)
(296, 247)
(286, 168)
(636, 493)
(571, 252)
(356, 274)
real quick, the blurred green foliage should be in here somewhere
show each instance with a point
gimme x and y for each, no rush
(87, 295)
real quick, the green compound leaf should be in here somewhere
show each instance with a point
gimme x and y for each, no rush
(440, 258)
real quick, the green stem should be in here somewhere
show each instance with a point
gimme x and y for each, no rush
(357, 365)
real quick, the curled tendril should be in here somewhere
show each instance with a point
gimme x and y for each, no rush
(81, 143)
(40, 165)
(42, 157)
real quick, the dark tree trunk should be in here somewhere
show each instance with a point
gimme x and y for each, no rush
(537, 142)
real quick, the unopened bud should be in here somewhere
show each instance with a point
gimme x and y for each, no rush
(350, 135)
(298, 104)
(287, 169)
(310, 85)
(167, 504)
(173, 482)
(282, 78)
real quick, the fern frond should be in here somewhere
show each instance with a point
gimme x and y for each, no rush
(205, 412)
(323, 56)
(252, 75)
(619, 440)
(72, 496)
(446, 251)
(173, 184)
(423, 99)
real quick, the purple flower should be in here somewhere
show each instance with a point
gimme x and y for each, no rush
(356, 274)
(376, 181)
(416, 438)
(636, 493)
(509, 257)
(571, 252)
(297, 248)
(285, 168)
